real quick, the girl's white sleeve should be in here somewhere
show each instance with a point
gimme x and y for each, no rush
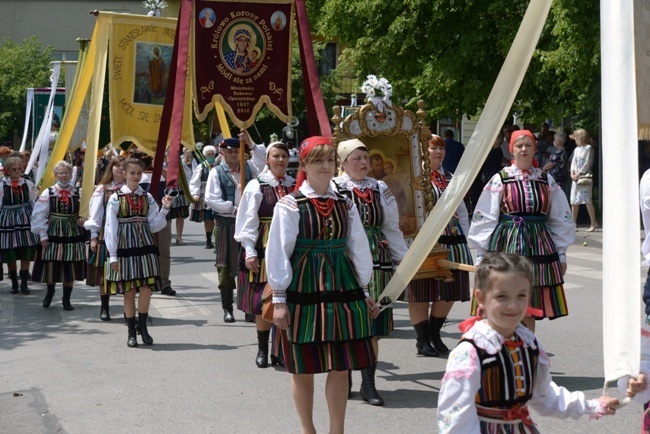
(195, 181)
(390, 227)
(95, 212)
(282, 240)
(110, 232)
(358, 246)
(486, 217)
(457, 397)
(40, 215)
(559, 220)
(247, 222)
(156, 217)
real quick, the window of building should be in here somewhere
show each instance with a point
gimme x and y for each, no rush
(327, 60)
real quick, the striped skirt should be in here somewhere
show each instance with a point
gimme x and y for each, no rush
(17, 242)
(137, 258)
(96, 262)
(331, 327)
(382, 271)
(528, 236)
(199, 213)
(430, 289)
(226, 246)
(63, 260)
(249, 295)
(180, 207)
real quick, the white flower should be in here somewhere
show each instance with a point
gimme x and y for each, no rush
(370, 93)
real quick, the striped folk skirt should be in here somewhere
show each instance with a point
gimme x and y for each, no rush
(137, 258)
(96, 262)
(180, 207)
(64, 258)
(226, 246)
(199, 213)
(382, 271)
(528, 236)
(329, 317)
(17, 242)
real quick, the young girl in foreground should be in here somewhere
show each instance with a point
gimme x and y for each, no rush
(499, 367)
(132, 217)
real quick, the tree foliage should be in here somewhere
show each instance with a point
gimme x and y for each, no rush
(449, 52)
(21, 66)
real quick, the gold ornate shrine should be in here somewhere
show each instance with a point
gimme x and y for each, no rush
(397, 141)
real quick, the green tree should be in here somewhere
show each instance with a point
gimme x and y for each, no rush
(21, 66)
(449, 52)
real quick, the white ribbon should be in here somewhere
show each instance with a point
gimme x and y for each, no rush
(28, 111)
(494, 114)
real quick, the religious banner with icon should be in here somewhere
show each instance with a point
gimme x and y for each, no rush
(140, 53)
(244, 49)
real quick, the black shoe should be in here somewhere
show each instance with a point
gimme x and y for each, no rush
(49, 295)
(67, 292)
(142, 328)
(104, 313)
(132, 342)
(13, 275)
(24, 278)
(435, 325)
(262, 358)
(368, 391)
(249, 317)
(276, 361)
(167, 290)
(423, 343)
(228, 316)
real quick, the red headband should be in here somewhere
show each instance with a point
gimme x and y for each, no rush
(519, 133)
(305, 148)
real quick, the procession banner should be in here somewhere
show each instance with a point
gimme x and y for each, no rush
(140, 53)
(242, 55)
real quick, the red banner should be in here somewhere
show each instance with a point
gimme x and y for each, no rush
(242, 58)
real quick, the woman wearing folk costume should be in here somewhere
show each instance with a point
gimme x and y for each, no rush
(56, 221)
(523, 210)
(223, 194)
(440, 293)
(319, 272)
(252, 230)
(181, 206)
(132, 217)
(111, 182)
(380, 217)
(199, 211)
(499, 367)
(17, 242)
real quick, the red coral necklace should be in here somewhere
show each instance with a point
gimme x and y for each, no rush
(324, 207)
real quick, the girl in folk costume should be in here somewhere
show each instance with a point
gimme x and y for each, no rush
(199, 211)
(380, 217)
(132, 217)
(319, 272)
(56, 221)
(252, 230)
(440, 293)
(17, 242)
(499, 367)
(111, 182)
(181, 205)
(523, 210)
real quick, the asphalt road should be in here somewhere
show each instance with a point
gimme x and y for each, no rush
(68, 372)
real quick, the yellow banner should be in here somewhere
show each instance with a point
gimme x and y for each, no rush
(140, 55)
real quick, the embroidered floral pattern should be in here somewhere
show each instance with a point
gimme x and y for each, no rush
(446, 419)
(477, 216)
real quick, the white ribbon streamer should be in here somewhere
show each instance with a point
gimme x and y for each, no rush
(28, 111)
(494, 114)
(621, 262)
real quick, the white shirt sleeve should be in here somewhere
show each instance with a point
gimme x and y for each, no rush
(358, 246)
(390, 227)
(282, 240)
(156, 217)
(213, 195)
(40, 215)
(195, 181)
(549, 399)
(110, 232)
(248, 222)
(33, 191)
(258, 159)
(486, 216)
(96, 212)
(559, 220)
(456, 400)
(644, 196)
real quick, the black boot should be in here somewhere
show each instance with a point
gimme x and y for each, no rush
(104, 313)
(13, 275)
(67, 292)
(24, 278)
(276, 361)
(423, 343)
(142, 328)
(226, 304)
(133, 341)
(208, 240)
(349, 384)
(435, 325)
(262, 359)
(368, 391)
(47, 301)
